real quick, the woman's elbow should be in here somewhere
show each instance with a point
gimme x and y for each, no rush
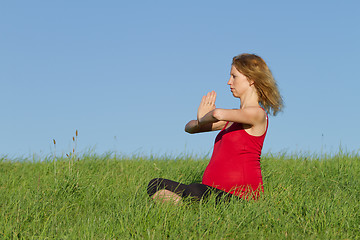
(190, 127)
(217, 114)
(190, 130)
(187, 129)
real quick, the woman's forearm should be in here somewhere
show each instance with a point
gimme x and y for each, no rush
(194, 127)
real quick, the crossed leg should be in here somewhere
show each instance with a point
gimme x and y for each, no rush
(164, 190)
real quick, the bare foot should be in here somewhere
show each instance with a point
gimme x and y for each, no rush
(166, 196)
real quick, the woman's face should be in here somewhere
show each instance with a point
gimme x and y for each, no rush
(238, 83)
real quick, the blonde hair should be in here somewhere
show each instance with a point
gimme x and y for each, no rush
(255, 69)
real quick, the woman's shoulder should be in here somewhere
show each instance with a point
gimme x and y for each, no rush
(256, 112)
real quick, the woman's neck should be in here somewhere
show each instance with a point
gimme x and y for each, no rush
(250, 99)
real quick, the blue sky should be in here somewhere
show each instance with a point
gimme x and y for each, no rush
(128, 75)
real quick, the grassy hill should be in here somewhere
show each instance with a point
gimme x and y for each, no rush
(103, 197)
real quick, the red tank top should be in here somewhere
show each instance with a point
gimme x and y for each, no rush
(234, 166)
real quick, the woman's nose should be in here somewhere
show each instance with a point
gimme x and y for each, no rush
(230, 81)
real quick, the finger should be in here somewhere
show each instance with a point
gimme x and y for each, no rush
(203, 100)
(208, 95)
(212, 97)
(206, 98)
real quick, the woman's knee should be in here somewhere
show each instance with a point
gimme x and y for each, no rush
(154, 185)
(157, 184)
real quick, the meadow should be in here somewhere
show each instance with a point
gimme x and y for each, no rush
(104, 197)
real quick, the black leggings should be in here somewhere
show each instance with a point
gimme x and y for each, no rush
(196, 191)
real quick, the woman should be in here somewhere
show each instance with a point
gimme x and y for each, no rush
(234, 168)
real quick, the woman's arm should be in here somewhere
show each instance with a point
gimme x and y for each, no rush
(249, 115)
(194, 127)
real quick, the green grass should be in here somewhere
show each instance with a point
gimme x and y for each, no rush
(100, 197)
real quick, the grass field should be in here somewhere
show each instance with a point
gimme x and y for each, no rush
(103, 197)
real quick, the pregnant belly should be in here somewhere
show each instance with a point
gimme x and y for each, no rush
(233, 179)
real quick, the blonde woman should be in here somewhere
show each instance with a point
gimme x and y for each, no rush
(234, 168)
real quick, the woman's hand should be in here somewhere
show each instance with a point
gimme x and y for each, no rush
(207, 105)
(205, 120)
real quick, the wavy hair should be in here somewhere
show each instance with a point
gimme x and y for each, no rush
(255, 69)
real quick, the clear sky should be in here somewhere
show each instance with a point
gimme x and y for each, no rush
(128, 75)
